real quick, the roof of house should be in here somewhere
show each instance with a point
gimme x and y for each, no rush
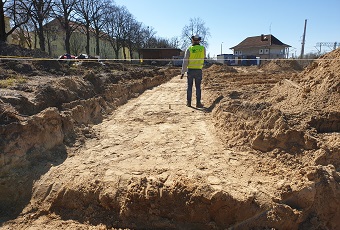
(260, 41)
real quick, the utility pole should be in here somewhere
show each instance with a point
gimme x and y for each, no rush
(303, 40)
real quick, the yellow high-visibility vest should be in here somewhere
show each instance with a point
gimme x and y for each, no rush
(196, 59)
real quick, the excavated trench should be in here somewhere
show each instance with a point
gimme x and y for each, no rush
(37, 129)
(148, 170)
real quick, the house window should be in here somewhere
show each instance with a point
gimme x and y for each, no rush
(261, 51)
(266, 51)
(239, 52)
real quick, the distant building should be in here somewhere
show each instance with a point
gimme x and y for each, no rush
(228, 59)
(55, 42)
(263, 47)
(156, 55)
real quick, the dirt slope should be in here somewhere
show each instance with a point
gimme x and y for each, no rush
(158, 164)
(263, 154)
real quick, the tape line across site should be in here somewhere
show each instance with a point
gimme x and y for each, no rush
(18, 58)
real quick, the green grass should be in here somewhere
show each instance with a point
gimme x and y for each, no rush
(8, 82)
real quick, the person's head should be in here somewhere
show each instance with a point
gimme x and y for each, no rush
(196, 39)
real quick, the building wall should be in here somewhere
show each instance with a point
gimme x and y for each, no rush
(158, 55)
(262, 52)
(55, 45)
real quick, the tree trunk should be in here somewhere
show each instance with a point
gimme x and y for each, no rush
(67, 42)
(97, 42)
(116, 48)
(3, 36)
(124, 52)
(88, 38)
(67, 37)
(35, 40)
(130, 50)
(41, 37)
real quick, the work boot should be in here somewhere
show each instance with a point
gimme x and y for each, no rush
(189, 103)
(199, 105)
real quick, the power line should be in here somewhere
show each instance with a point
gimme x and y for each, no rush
(330, 45)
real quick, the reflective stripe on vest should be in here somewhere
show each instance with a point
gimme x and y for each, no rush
(196, 59)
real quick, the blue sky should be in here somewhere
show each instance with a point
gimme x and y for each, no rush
(230, 22)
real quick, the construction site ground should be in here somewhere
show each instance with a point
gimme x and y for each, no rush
(92, 146)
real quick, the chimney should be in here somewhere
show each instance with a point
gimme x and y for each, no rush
(262, 37)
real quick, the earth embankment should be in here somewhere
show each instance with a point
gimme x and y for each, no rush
(100, 151)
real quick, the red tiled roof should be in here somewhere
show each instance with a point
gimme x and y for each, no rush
(260, 41)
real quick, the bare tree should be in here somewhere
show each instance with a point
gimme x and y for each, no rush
(127, 28)
(18, 10)
(77, 43)
(174, 42)
(100, 10)
(84, 11)
(115, 27)
(134, 37)
(24, 35)
(64, 10)
(196, 26)
(40, 14)
(148, 34)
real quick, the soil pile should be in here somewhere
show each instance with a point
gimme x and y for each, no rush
(221, 69)
(321, 81)
(18, 51)
(317, 91)
(280, 65)
(288, 116)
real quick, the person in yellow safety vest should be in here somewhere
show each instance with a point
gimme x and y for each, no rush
(192, 64)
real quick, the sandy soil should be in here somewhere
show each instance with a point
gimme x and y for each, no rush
(263, 154)
(154, 142)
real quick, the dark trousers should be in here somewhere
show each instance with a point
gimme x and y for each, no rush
(194, 75)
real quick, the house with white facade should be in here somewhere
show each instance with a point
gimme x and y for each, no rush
(262, 47)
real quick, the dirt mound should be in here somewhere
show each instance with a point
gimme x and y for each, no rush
(8, 114)
(18, 51)
(290, 116)
(280, 65)
(316, 90)
(323, 74)
(308, 104)
(221, 69)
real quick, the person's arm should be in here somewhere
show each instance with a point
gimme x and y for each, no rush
(185, 62)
